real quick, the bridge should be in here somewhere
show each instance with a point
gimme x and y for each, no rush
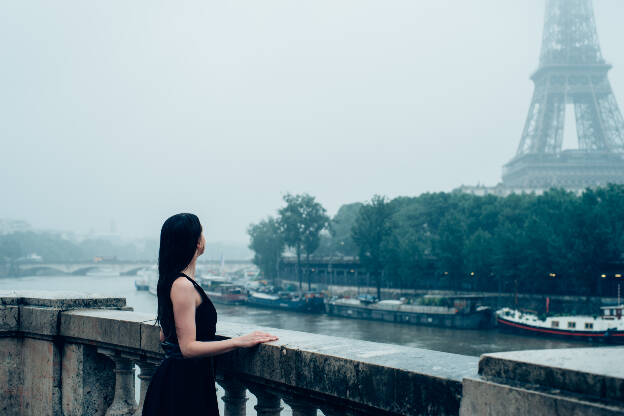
(80, 268)
(65, 353)
(128, 268)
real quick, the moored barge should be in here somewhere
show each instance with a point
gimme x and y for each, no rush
(293, 301)
(464, 314)
(220, 290)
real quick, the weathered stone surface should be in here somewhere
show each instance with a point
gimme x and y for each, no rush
(59, 299)
(39, 320)
(41, 365)
(150, 336)
(107, 326)
(596, 372)
(487, 398)
(11, 376)
(389, 377)
(9, 318)
(88, 381)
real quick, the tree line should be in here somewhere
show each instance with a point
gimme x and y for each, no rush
(557, 242)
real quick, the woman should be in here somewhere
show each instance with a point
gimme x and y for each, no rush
(184, 383)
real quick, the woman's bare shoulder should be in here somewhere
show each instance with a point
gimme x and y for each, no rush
(182, 286)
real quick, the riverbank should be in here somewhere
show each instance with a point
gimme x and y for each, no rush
(536, 302)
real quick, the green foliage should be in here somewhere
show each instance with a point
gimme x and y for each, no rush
(371, 232)
(556, 242)
(267, 243)
(301, 222)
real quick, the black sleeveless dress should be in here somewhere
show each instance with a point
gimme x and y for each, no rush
(185, 386)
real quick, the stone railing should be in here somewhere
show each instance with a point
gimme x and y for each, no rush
(72, 354)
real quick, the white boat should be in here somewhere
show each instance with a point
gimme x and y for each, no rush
(149, 274)
(608, 327)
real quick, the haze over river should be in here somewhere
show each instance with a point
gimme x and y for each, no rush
(467, 342)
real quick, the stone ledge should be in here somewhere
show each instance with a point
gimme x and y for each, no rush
(597, 372)
(486, 397)
(389, 377)
(121, 328)
(9, 318)
(60, 299)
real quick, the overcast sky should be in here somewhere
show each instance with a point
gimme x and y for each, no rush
(133, 111)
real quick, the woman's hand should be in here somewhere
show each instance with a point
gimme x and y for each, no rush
(253, 338)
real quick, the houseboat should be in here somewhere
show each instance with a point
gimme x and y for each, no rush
(608, 327)
(464, 312)
(293, 301)
(227, 293)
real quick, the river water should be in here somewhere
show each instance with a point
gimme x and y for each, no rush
(466, 342)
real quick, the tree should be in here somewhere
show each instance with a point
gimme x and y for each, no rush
(449, 247)
(267, 243)
(301, 222)
(371, 233)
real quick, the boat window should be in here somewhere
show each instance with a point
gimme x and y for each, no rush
(589, 325)
(555, 324)
(571, 324)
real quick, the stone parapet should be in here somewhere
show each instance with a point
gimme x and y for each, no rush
(59, 299)
(72, 354)
(583, 381)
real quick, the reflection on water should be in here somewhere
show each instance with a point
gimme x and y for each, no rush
(467, 342)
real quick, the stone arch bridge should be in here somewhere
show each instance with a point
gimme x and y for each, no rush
(81, 268)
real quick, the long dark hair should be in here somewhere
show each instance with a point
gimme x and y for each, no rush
(178, 242)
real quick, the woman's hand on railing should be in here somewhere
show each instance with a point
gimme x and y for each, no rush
(253, 338)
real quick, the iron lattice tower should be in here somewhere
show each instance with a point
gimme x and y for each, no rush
(572, 73)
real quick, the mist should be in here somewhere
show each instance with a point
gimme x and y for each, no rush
(126, 113)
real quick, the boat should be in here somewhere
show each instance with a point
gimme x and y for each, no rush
(310, 301)
(465, 312)
(608, 327)
(151, 275)
(220, 290)
(141, 283)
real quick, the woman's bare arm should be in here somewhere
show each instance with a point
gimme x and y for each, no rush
(183, 298)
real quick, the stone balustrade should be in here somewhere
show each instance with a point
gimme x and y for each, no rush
(73, 354)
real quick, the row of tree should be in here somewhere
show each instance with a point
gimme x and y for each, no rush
(557, 242)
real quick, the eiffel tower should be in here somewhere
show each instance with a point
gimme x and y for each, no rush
(572, 75)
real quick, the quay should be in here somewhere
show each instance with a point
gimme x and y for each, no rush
(67, 353)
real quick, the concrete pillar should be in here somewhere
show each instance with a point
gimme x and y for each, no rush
(235, 396)
(123, 402)
(147, 371)
(268, 403)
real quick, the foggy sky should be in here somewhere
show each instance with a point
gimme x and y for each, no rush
(133, 111)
